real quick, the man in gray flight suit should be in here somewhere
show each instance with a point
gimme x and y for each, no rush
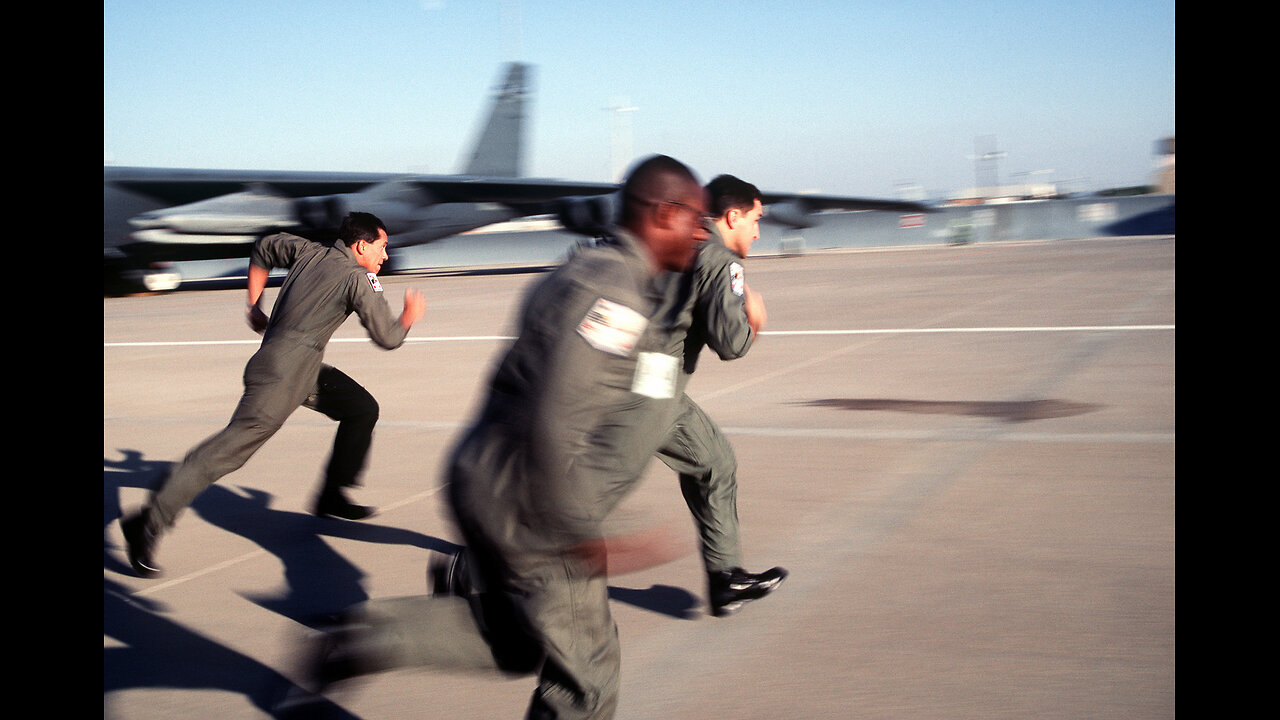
(721, 312)
(574, 412)
(325, 284)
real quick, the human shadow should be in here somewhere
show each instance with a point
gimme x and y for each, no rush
(663, 599)
(317, 577)
(1013, 411)
(153, 651)
(156, 652)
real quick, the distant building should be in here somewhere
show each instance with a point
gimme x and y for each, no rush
(1004, 194)
(1164, 166)
(1162, 183)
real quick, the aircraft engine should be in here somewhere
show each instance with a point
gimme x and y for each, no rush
(403, 205)
(588, 215)
(791, 213)
(242, 213)
(321, 213)
(400, 205)
(399, 217)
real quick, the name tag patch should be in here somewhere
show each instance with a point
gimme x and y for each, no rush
(655, 375)
(611, 327)
(373, 280)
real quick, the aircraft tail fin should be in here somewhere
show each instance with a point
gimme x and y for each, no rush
(499, 148)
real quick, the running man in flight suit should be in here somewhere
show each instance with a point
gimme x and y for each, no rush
(325, 284)
(723, 313)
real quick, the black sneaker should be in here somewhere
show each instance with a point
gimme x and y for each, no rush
(140, 543)
(336, 505)
(730, 589)
(450, 575)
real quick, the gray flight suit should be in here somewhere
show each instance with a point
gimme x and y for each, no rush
(706, 308)
(575, 410)
(324, 286)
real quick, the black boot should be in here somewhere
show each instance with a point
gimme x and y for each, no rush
(731, 588)
(140, 541)
(450, 575)
(333, 503)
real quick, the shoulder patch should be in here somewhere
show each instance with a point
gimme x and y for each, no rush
(737, 279)
(612, 327)
(373, 280)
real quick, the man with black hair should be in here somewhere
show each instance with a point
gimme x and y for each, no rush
(718, 310)
(325, 284)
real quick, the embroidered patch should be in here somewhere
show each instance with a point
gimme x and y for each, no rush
(611, 327)
(373, 280)
(737, 279)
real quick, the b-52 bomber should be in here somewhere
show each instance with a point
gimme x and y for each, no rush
(155, 218)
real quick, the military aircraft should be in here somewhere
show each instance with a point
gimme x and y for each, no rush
(154, 219)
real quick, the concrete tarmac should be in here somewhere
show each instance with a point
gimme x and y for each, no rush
(963, 455)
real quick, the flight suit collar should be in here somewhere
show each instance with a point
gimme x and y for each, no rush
(633, 246)
(656, 281)
(346, 251)
(714, 236)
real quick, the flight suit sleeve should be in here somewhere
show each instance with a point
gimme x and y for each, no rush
(370, 305)
(276, 251)
(720, 314)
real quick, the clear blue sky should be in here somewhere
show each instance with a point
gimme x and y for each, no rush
(846, 97)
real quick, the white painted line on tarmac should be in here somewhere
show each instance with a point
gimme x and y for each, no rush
(919, 331)
(181, 343)
(152, 589)
(772, 333)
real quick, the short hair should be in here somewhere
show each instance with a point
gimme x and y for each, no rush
(357, 226)
(727, 192)
(656, 179)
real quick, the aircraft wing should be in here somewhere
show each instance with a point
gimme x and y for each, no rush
(819, 203)
(223, 212)
(803, 210)
(171, 187)
(591, 212)
(220, 211)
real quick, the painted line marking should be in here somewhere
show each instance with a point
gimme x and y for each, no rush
(772, 333)
(165, 585)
